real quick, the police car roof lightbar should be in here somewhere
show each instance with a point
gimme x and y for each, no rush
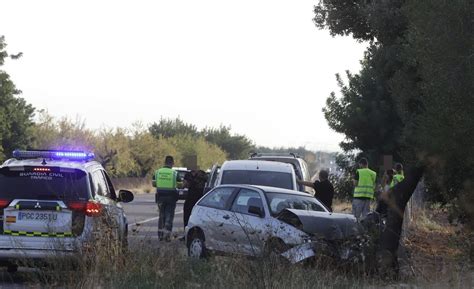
(55, 155)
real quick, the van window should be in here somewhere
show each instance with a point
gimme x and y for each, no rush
(259, 178)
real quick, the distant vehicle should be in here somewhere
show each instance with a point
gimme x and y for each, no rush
(298, 163)
(52, 204)
(182, 193)
(258, 221)
(250, 172)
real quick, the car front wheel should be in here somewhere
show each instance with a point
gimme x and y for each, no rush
(197, 247)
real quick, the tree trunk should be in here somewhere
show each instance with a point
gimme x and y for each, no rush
(390, 238)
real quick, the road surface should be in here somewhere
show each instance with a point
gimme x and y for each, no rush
(142, 215)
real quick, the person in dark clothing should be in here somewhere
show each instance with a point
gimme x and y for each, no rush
(323, 187)
(381, 202)
(195, 182)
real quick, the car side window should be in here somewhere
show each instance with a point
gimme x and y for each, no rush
(100, 184)
(305, 172)
(110, 185)
(217, 199)
(245, 199)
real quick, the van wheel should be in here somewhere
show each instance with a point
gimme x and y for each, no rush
(196, 246)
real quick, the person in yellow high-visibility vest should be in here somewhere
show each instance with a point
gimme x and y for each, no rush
(364, 182)
(398, 177)
(165, 180)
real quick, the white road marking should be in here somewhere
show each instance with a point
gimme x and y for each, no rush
(152, 219)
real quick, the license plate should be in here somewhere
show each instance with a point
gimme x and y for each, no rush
(37, 217)
(36, 221)
(180, 193)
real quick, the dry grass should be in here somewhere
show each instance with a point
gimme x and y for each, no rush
(136, 185)
(342, 207)
(439, 251)
(435, 250)
(168, 267)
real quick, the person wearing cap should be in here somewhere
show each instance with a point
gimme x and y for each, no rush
(165, 180)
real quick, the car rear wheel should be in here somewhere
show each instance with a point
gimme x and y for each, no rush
(197, 246)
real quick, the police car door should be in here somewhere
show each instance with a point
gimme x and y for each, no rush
(105, 195)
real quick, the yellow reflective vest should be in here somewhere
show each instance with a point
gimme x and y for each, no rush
(166, 179)
(366, 184)
(397, 179)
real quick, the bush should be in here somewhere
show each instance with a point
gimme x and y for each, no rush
(343, 186)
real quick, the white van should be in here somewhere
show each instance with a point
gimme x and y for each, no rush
(252, 172)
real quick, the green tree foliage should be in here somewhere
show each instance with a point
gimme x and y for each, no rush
(15, 114)
(440, 43)
(381, 21)
(113, 150)
(65, 133)
(414, 92)
(207, 153)
(148, 152)
(123, 152)
(172, 127)
(315, 160)
(237, 146)
(366, 113)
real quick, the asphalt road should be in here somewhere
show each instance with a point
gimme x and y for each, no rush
(142, 215)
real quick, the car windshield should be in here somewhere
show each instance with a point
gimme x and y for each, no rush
(259, 178)
(45, 184)
(277, 202)
(181, 175)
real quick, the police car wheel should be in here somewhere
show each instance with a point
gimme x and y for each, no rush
(197, 247)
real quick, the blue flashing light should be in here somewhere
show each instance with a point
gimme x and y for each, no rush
(56, 155)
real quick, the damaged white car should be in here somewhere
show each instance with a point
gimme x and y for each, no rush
(258, 221)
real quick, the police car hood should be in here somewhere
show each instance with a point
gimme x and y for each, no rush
(330, 226)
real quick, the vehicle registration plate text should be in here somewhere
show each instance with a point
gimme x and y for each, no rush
(33, 216)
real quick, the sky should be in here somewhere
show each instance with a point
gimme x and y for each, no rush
(261, 67)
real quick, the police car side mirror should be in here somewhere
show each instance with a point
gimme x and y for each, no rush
(125, 196)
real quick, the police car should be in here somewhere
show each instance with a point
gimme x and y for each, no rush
(51, 203)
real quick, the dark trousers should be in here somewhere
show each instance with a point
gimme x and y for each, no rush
(166, 207)
(187, 208)
(194, 194)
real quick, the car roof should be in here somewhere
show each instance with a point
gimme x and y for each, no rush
(80, 165)
(253, 165)
(284, 159)
(267, 189)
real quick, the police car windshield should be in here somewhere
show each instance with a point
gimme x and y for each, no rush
(260, 178)
(51, 184)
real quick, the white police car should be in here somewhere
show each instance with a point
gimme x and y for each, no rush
(51, 203)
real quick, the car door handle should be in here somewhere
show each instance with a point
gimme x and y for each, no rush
(227, 217)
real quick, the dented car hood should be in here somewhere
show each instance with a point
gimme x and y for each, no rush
(330, 226)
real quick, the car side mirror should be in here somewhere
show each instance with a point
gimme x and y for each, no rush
(256, 211)
(125, 196)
